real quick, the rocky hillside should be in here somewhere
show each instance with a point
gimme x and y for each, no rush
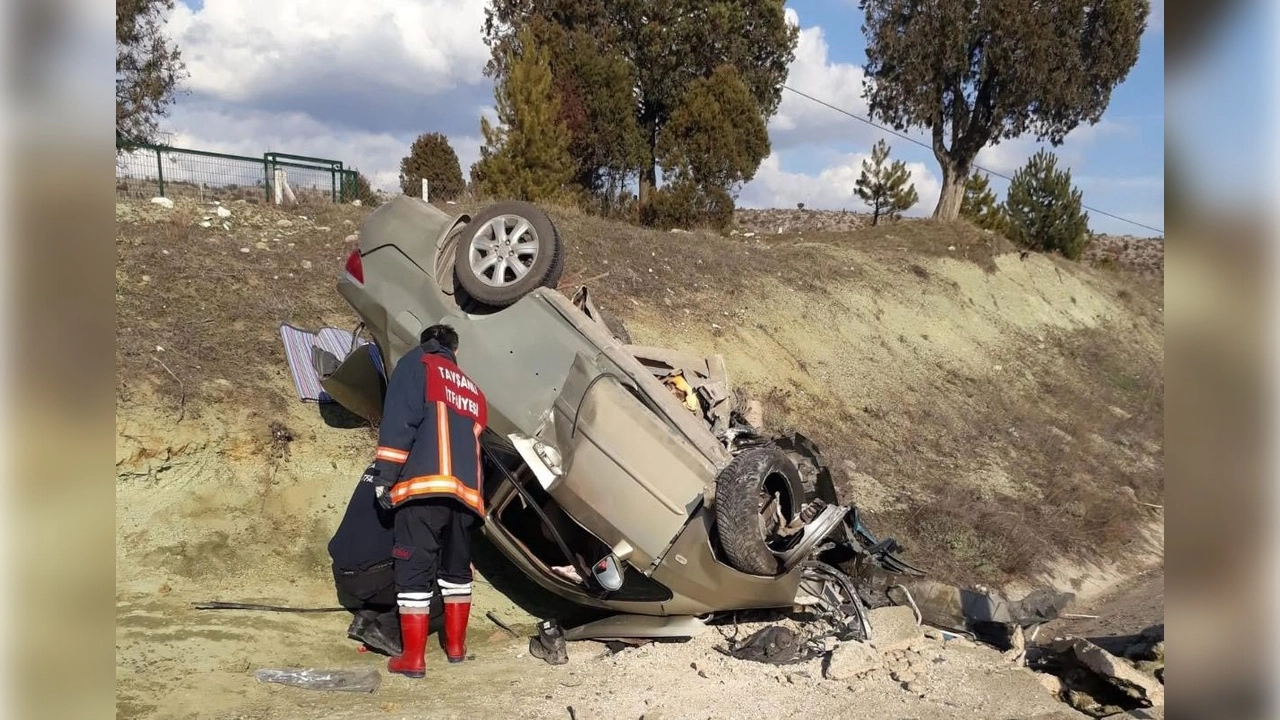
(1139, 255)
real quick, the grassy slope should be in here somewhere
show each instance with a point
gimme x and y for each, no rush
(985, 409)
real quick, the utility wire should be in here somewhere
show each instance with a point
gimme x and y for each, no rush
(929, 147)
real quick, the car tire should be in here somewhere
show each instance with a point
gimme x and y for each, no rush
(741, 489)
(537, 238)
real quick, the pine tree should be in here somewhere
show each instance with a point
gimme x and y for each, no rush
(884, 188)
(526, 155)
(431, 157)
(980, 205)
(1044, 211)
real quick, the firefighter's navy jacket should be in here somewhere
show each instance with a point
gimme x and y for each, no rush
(429, 441)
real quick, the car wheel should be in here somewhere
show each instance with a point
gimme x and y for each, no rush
(760, 485)
(509, 249)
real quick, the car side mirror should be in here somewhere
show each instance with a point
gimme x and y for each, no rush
(608, 572)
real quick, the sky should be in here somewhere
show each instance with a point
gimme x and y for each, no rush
(357, 82)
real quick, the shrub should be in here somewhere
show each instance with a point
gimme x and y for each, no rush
(1044, 211)
(362, 191)
(431, 157)
(682, 204)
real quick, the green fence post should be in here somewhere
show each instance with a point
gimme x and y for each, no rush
(160, 171)
(266, 176)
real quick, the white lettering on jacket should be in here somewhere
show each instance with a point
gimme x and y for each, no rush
(457, 379)
(463, 404)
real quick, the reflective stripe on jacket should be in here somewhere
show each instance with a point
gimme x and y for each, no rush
(429, 440)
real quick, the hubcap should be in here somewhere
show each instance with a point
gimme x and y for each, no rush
(503, 250)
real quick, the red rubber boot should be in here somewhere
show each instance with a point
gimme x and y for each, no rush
(455, 630)
(413, 632)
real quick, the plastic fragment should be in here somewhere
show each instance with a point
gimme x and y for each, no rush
(362, 680)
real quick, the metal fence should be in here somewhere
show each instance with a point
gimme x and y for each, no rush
(149, 170)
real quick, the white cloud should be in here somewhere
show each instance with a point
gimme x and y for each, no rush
(800, 120)
(1137, 182)
(249, 50)
(1010, 155)
(349, 81)
(830, 189)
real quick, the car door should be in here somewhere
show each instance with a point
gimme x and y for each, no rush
(627, 475)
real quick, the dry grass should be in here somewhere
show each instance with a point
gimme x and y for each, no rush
(1083, 456)
(214, 309)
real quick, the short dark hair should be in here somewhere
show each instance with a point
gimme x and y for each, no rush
(442, 334)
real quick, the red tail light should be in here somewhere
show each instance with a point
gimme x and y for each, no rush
(355, 268)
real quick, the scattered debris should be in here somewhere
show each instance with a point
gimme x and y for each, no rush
(1097, 682)
(1149, 646)
(1017, 651)
(493, 618)
(260, 607)
(163, 202)
(223, 212)
(984, 614)
(682, 391)
(775, 645)
(850, 659)
(894, 626)
(548, 644)
(1052, 683)
(363, 680)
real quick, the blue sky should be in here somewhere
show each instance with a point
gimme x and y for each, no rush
(358, 82)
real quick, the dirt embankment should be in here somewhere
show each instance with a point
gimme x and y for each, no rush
(1143, 256)
(987, 410)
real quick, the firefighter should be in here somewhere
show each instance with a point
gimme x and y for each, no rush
(427, 470)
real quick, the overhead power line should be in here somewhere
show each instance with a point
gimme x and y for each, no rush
(929, 147)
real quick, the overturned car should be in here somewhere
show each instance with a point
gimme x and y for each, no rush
(618, 477)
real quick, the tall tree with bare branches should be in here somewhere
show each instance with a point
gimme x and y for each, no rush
(974, 72)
